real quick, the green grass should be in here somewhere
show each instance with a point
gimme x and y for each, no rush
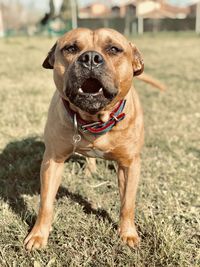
(84, 229)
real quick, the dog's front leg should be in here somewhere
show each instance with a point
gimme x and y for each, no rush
(50, 176)
(128, 178)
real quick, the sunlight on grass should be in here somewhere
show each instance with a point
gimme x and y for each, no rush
(84, 230)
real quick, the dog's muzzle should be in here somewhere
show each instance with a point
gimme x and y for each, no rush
(90, 84)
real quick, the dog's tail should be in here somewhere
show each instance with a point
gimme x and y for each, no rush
(148, 79)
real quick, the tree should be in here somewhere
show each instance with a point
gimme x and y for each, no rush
(68, 11)
(65, 11)
(49, 15)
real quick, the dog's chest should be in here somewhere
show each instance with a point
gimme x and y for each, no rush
(92, 152)
(94, 148)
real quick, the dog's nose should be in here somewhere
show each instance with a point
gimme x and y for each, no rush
(91, 59)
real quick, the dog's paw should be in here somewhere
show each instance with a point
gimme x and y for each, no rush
(129, 236)
(36, 239)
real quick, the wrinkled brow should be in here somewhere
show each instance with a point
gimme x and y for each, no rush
(111, 41)
(70, 41)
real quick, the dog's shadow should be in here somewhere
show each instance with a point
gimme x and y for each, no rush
(19, 175)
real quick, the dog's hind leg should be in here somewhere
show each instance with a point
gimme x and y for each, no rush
(90, 167)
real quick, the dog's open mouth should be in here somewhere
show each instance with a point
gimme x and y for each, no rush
(91, 94)
(91, 86)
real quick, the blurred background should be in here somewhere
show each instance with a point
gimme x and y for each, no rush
(53, 17)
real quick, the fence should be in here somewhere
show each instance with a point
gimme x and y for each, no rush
(150, 25)
(120, 24)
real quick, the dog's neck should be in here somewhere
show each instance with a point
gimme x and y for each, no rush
(98, 126)
(103, 115)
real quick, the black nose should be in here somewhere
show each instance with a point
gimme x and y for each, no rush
(91, 59)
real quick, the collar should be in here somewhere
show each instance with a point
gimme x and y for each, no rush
(97, 127)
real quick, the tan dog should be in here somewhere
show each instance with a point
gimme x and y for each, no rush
(93, 72)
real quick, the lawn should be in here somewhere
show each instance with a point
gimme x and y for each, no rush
(86, 215)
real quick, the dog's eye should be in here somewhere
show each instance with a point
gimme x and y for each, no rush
(114, 50)
(70, 48)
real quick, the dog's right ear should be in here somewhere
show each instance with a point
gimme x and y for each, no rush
(50, 59)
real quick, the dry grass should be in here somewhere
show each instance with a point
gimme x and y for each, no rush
(168, 211)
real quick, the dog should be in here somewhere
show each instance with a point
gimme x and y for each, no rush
(96, 112)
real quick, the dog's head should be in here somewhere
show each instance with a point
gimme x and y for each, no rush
(93, 68)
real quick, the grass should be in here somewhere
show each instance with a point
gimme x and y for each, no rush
(84, 229)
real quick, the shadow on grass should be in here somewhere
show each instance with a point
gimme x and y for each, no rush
(19, 174)
(87, 206)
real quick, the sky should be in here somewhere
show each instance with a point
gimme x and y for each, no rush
(43, 4)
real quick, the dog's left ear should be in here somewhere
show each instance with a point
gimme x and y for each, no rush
(137, 61)
(50, 59)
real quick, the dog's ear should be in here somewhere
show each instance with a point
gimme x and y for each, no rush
(49, 60)
(137, 61)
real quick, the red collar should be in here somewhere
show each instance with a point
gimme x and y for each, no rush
(97, 127)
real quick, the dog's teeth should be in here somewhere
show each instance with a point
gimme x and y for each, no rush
(100, 90)
(80, 90)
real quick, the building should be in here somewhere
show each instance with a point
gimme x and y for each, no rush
(161, 9)
(149, 9)
(94, 10)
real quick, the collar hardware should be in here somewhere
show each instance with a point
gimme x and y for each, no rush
(76, 137)
(114, 117)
